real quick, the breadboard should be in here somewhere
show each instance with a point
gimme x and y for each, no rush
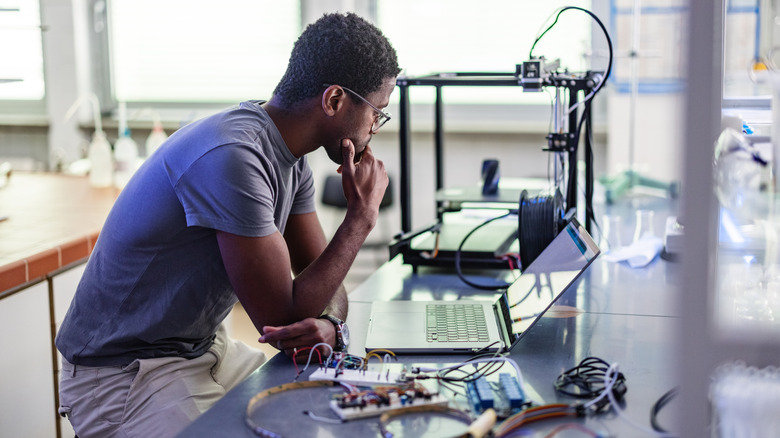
(357, 377)
(376, 410)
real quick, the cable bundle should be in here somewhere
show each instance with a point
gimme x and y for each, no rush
(588, 380)
(537, 413)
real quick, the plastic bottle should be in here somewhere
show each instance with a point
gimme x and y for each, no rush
(156, 138)
(125, 152)
(99, 155)
(125, 158)
(101, 162)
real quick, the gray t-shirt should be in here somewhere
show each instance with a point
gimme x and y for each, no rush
(155, 284)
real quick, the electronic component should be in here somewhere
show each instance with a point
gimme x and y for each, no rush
(343, 361)
(380, 399)
(506, 397)
(511, 391)
(480, 394)
(359, 377)
(376, 374)
(371, 392)
(531, 74)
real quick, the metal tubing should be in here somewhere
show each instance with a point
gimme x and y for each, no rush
(439, 144)
(405, 162)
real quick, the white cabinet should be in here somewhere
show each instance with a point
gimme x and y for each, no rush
(27, 395)
(26, 384)
(64, 287)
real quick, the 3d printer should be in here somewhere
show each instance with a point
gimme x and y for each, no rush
(540, 215)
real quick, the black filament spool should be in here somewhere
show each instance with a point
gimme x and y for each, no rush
(539, 220)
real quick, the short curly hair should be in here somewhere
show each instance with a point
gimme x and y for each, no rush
(341, 49)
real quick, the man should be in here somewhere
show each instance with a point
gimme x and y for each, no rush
(224, 210)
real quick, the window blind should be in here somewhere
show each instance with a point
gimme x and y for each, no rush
(21, 68)
(198, 50)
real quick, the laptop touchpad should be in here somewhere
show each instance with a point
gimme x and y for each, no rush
(407, 322)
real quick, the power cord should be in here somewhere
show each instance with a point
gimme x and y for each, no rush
(458, 269)
(587, 381)
(609, 45)
(659, 404)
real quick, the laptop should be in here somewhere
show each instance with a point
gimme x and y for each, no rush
(487, 325)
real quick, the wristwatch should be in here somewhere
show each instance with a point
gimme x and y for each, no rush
(342, 331)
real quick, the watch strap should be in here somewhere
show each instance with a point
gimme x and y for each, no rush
(337, 323)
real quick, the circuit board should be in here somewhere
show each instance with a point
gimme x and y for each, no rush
(377, 389)
(358, 377)
(506, 396)
(373, 410)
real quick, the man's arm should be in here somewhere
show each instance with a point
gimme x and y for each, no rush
(259, 267)
(306, 241)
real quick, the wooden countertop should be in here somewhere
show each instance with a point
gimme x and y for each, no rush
(52, 221)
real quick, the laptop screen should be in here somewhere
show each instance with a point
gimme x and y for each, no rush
(550, 274)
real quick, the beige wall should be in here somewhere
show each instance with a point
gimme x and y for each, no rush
(657, 140)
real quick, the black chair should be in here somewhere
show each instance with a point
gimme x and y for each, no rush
(333, 196)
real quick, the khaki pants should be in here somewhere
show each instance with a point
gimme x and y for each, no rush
(152, 397)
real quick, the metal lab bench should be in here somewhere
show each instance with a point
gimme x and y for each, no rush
(625, 315)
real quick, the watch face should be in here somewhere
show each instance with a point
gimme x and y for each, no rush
(345, 334)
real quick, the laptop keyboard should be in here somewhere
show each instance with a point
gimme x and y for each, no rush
(453, 322)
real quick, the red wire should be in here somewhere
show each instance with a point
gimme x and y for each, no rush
(511, 259)
(295, 356)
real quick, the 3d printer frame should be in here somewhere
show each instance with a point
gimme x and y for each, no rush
(528, 75)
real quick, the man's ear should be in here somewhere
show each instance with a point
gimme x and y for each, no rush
(332, 100)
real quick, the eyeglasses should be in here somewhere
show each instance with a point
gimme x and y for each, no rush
(381, 116)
